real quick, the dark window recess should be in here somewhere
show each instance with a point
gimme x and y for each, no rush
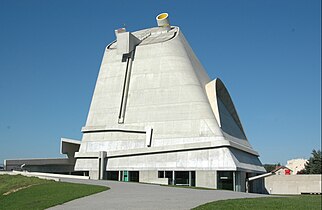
(112, 175)
(182, 177)
(168, 174)
(193, 178)
(133, 176)
(225, 180)
(160, 174)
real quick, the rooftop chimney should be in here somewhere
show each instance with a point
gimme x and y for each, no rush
(163, 21)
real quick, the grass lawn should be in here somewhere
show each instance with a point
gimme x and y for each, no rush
(20, 192)
(300, 202)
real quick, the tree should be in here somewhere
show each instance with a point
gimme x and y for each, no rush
(313, 165)
(271, 167)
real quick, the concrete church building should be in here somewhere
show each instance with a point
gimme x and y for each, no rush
(156, 117)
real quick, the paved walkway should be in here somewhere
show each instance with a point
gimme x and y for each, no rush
(146, 196)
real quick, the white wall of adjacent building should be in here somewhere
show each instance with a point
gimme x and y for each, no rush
(296, 165)
(293, 184)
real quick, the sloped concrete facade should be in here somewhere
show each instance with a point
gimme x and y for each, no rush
(155, 110)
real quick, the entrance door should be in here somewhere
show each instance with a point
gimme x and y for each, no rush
(125, 176)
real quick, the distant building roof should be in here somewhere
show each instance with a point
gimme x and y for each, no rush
(279, 168)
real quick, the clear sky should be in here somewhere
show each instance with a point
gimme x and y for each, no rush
(268, 54)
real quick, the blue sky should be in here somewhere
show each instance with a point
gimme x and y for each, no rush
(268, 54)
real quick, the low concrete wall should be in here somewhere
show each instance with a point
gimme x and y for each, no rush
(46, 165)
(293, 184)
(94, 174)
(7, 173)
(14, 173)
(48, 175)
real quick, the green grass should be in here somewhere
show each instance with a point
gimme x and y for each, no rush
(40, 194)
(302, 202)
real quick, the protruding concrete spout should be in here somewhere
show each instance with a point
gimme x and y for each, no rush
(126, 41)
(163, 21)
